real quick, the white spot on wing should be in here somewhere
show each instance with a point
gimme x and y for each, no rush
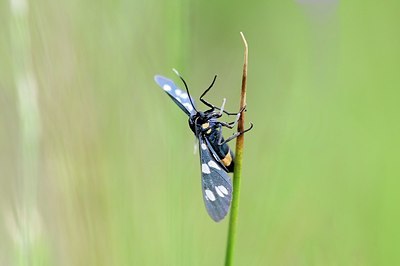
(188, 106)
(223, 190)
(209, 194)
(204, 147)
(184, 95)
(213, 165)
(205, 169)
(166, 87)
(219, 192)
(178, 92)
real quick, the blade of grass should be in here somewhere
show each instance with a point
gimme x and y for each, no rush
(238, 167)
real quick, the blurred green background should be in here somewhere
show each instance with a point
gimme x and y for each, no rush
(96, 164)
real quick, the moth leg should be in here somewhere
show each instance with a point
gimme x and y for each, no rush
(213, 107)
(232, 124)
(196, 145)
(235, 135)
(224, 111)
(241, 111)
(228, 125)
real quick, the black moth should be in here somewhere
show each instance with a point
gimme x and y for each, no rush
(216, 158)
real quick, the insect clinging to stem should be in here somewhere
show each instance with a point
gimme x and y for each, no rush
(216, 158)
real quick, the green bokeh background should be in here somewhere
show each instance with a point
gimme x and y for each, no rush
(96, 164)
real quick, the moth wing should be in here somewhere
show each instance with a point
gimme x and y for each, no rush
(180, 97)
(216, 183)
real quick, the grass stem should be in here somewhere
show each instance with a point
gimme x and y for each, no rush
(238, 168)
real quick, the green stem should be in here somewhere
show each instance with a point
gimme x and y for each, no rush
(238, 168)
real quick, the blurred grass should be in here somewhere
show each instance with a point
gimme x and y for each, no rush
(116, 180)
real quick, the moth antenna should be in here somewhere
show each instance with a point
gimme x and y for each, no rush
(186, 87)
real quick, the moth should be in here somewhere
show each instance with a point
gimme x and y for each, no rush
(216, 158)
